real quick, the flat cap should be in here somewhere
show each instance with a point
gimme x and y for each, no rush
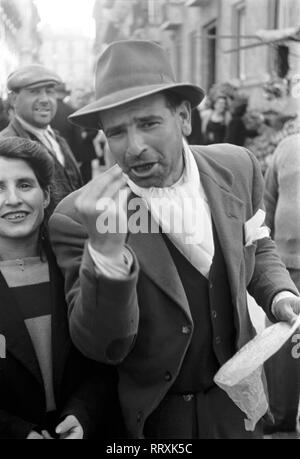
(31, 75)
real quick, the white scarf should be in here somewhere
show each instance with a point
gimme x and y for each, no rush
(183, 213)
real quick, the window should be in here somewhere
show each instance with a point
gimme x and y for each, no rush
(239, 18)
(210, 31)
(154, 12)
(193, 57)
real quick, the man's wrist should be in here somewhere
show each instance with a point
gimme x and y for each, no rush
(113, 266)
(279, 296)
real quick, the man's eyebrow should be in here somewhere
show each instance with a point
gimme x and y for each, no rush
(149, 118)
(22, 178)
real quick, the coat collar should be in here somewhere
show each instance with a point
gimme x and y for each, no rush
(18, 341)
(226, 209)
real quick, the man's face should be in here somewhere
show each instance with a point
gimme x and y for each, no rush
(22, 201)
(36, 105)
(145, 138)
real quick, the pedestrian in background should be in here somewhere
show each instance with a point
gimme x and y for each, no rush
(282, 201)
(33, 98)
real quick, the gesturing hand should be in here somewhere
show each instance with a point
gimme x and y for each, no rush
(70, 429)
(287, 309)
(104, 199)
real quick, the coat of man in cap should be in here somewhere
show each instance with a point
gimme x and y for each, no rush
(158, 252)
(33, 96)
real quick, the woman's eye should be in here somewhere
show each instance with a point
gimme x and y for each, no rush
(25, 186)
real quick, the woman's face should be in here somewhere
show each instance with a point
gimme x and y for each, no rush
(22, 200)
(220, 105)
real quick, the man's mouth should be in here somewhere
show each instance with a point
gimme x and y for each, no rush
(43, 110)
(15, 217)
(143, 170)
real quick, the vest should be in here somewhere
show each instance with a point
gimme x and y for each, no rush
(213, 340)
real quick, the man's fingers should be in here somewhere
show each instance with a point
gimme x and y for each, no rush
(97, 189)
(46, 435)
(65, 426)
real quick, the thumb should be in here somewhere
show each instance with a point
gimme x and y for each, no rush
(65, 425)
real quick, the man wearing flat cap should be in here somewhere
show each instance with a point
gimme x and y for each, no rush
(33, 97)
(158, 252)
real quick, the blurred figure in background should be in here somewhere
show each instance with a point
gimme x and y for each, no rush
(33, 98)
(282, 201)
(67, 130)
(4, 121)
(196, 137)
(214, 121)
(236, 131)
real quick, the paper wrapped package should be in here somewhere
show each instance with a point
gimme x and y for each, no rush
(240, 377)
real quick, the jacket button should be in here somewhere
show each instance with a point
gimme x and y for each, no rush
(214, 314)
(186, 330)
(211, 285)
(168, 376)
(139, 417)
(218, 340)
(188, 397)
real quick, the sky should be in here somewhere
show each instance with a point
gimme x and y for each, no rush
(73, 15)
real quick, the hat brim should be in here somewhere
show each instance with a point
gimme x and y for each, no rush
(88, 116)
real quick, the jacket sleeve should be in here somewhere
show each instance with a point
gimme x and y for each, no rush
(271, 194)
(95, 401)
(270, 275)
(103, 312)
(13, 427)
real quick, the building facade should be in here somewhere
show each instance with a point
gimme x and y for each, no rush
(19, 36)
(210, 41)
(70, 55)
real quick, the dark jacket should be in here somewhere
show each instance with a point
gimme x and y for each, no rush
(136, 323)
(66, 178)
(82, 387)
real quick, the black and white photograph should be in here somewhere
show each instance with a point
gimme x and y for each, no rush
(149, 222)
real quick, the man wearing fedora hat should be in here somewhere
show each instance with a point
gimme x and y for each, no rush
(165, 301)
(34, 99)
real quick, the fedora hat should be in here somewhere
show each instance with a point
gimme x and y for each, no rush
(128, 70)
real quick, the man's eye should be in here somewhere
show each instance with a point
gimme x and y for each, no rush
(149, 124)
(114, 134)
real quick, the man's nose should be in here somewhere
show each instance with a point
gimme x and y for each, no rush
(43, 97)
(136, 145)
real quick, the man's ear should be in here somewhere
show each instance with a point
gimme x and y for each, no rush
(184, 112)
(13, 98)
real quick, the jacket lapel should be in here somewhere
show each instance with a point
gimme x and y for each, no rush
(156, 262)
(61, 342)
(227, 213)
(12, 326)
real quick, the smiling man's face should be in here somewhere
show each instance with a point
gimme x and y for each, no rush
(37, 104)
(146, 139)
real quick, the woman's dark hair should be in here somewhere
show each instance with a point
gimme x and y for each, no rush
(33, 153)
(38, 159)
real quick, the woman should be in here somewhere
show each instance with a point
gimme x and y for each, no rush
(47, 388)
(214, 121)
